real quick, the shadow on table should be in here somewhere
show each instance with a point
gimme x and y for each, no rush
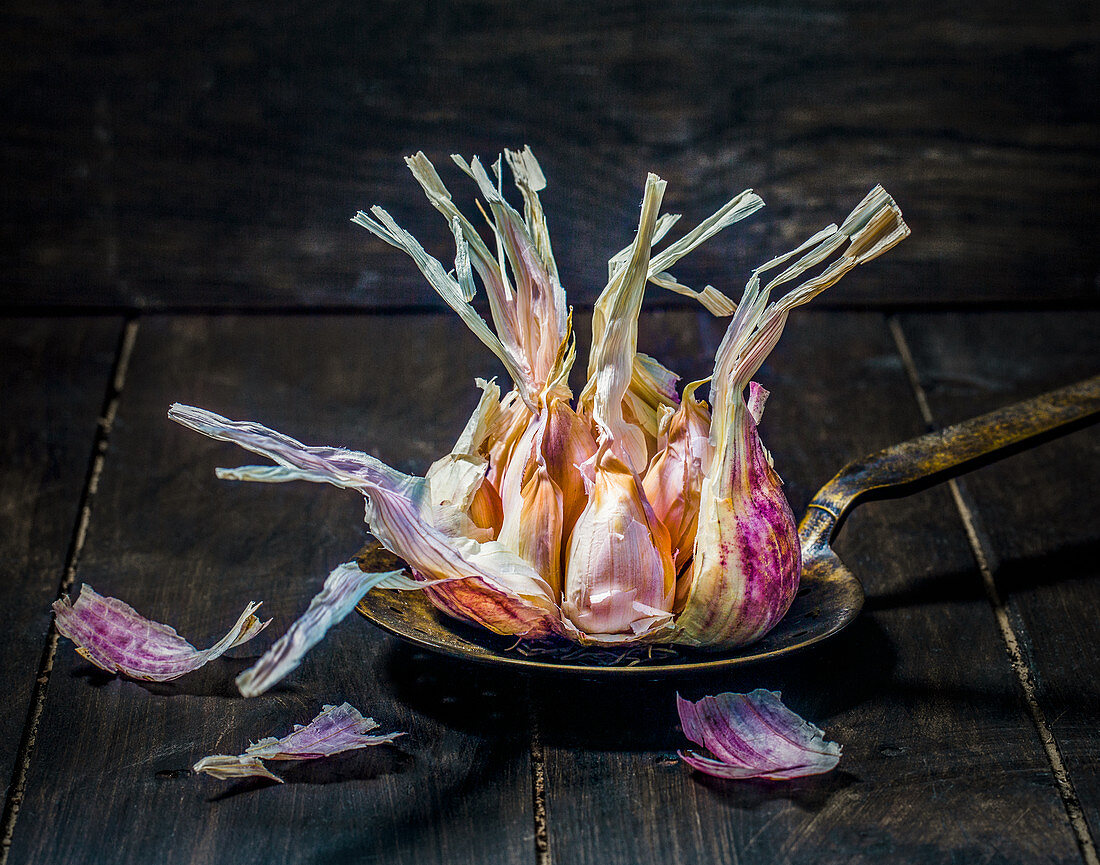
(817, 683)
(810, 794)
(1012, 575)
(634, 714)
(214, 679)
(468, 697)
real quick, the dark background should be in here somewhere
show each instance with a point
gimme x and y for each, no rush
(197, 155)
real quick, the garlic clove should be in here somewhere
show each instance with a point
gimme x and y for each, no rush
(486, 511)
(619, 568)
(674, 477)
(747, 558)
(541, 516)
(567, 443)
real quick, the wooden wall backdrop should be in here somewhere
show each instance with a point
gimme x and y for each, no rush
(198, 155)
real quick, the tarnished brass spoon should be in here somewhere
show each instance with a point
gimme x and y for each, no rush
(829, 596)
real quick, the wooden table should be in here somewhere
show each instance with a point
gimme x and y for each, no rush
(174, 228)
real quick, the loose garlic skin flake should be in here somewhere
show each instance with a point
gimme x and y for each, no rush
(634, 515)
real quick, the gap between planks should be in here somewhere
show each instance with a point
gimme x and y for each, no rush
(538, 785)
(68, 577)
(980, 546)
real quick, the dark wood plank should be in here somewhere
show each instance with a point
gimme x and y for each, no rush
(226, 177)
(941, 762)
(106, 784)
(53, 377)
(1038, 512)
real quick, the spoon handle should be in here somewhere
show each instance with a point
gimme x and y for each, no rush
(937, 456)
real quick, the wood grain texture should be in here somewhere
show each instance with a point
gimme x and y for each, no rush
(941, 762)
(205, 156)
(53, 377)
(108, 780)
(1038, 512)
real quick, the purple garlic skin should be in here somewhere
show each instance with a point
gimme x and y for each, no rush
(747, 556)
(115, 637)
(753, 736)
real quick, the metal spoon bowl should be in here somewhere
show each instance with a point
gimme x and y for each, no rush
(829, 596)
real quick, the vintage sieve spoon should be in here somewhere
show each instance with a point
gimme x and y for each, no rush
(830, 596)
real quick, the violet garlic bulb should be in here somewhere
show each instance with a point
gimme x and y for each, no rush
(635, 514)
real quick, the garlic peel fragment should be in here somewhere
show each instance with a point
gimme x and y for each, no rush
(343, 589)
(227, 767)
(753, 736)
(335, 730)
(116, 638)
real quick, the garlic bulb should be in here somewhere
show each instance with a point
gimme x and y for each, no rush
(637, 515)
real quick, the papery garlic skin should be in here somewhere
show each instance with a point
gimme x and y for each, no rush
(511, 597)
(344, 588)
(116, 638)
(753, 736)
(335, 730)
(482, 602)
(457, 488)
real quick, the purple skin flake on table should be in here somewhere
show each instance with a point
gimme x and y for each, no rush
(115, 637)
(753, 736)
(337, 729)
